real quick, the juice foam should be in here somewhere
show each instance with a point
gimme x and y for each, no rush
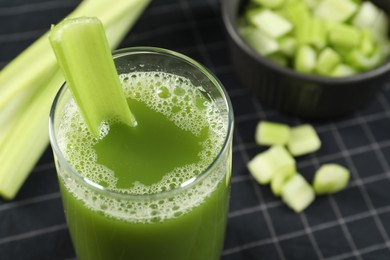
(188, 108)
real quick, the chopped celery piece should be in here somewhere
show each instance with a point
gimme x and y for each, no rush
(269, 3)
(343, 70)
(297, 13)
(366, 15)
(303, 140)
(288, 46)
(83, 53)
(260, 42)
(305, 59)
(271, 24)
(313, 32)
(34, 122)
(271, 133)
(362, 62)
(278, 58)
(266, 165)
(367, 45)
(345, 36)
(279, 180)
(336, 10)
(372, 18)
(330, 178)
(328, 59)
(297, 193)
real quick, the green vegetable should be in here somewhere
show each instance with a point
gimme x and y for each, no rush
(336, 10)
(82, 51)
(288, 46)
(297, 12)
(345, 36)
(26, 140)
(277, 167)
(303, 140)
(367, 45)
(330, 178)
(367, 16)
(279, 180)
(362, 62)
(343, 70)
(297, 193)
(306, 59)
(327, 61)
(266, 165)
(259, 41)
(24, 101)
(271, 24)
(300, 34)
(270, 133)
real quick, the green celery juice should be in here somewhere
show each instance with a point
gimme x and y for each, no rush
(144, 202)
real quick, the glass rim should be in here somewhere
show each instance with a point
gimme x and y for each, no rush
(187, 183)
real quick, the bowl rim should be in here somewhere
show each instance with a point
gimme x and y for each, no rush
(230, 25)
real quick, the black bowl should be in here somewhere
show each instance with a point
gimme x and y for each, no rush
(297, 93)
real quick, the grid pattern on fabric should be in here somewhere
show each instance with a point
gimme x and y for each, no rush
(353, 224)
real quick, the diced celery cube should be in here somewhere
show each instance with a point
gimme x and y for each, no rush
(343, 70)
(305, 59)
(327, 61)
(384, 46)
(312, 32)
(372, 18)
(318, 33)
(345, 36)
(297, 12)
(269, 3)
(278, 182)
(330, 178)
(367, 45)
(266, 165)
(100, 100)
(336, 10)
(271, 133)
(303, 140)
(366, 15)
(263, 44)
(362, 62)
(271, 23)
(297, 193)
(288, 46)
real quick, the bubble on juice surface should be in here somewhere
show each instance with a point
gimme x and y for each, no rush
(169, 95)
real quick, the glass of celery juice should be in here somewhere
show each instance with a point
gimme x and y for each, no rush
(158, 190)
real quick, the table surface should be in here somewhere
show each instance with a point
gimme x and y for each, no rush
(353, 224)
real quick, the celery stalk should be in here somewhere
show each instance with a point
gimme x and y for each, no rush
(26, 140)
(84, 56)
